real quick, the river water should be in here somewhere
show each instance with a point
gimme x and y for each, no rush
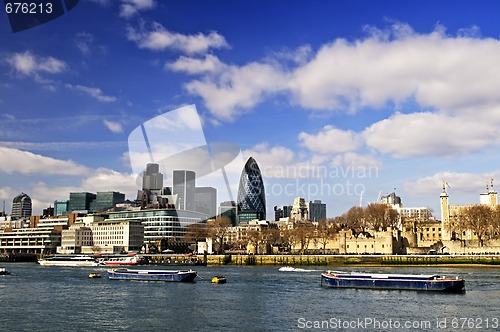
(255, 298)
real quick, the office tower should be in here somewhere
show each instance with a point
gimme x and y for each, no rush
(152, 179)
(251, 194)
(317, 210)
(61, 207)
(206, 200)
(21, 206)
(108, 200)
(82, 201)
(228, 209)
(184, 184)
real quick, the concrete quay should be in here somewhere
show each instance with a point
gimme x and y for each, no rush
(346, 260)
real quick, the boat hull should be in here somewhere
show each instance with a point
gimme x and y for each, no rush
(388, 282)
(152, 275)
(68, 261)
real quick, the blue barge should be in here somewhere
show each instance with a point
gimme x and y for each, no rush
(152, 275)
(392, 281)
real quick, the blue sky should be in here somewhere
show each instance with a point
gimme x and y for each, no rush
(336, 100)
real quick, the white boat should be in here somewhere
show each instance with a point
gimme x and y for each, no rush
(122, 260)
(80, 260)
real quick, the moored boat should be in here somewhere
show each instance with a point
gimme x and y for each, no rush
(152, 275)
(62, 260)
(219, 280)
(122, 260)
(4, 272)
(392, 281)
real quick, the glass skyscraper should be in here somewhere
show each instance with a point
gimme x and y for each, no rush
(184, 184)
(251, 194)
(21, 206)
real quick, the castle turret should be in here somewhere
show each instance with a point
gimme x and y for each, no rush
(445, 214)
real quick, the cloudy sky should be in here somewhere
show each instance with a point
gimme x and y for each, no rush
(341, 101)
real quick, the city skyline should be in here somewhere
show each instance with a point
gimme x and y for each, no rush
(338, 102)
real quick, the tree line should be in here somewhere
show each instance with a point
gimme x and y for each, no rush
(482, 220)
(302, 235)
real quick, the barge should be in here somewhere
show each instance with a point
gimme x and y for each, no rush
(152, 275)
(430, 282)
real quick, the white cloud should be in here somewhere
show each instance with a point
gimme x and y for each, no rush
(159, 38)
(357, 161)
(17, 161)
(237, 89)
(459, 183)
(435, 134)
(454, 78)
(29, 64)
(210, 64)
(95, 93)
(84, 42)
(113, 126)
(129, 8)
(331, 140)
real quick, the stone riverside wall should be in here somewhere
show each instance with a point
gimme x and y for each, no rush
(342, 260)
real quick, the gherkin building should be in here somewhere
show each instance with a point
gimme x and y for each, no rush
(251, 194)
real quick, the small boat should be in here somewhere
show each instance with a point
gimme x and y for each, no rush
(131, 259)
(69, 260)
(286, 269)
(4, 272)
(94, 275)
(219, 280)
(392, 281)
(294, 269)
(152, 275)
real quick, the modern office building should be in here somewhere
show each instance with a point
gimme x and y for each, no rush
(61, 207)
(160, 223)
(184, 183)
(21, 206)
(108, 200)
(82, 201)
(251, 195)
(152, 179)
(152, 186)
(317, 210)
(228, 209)
(206, 201)
(282, 212)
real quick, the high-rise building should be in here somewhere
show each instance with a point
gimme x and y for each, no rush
(108, 200)
(251, 194)
(83, 201)
(152, 179)
(228, 209)
(206, 200)
(184, 183)
(282, 212)
(21, 206)
(61, 207)
(317, 210)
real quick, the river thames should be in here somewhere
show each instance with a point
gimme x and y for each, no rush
(255, 298)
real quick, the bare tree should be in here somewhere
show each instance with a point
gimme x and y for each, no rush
(196, 232)
(478, 219)
(302, 233)
(381, 216)
(325, 231)
(218, 229)
(355, 218)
